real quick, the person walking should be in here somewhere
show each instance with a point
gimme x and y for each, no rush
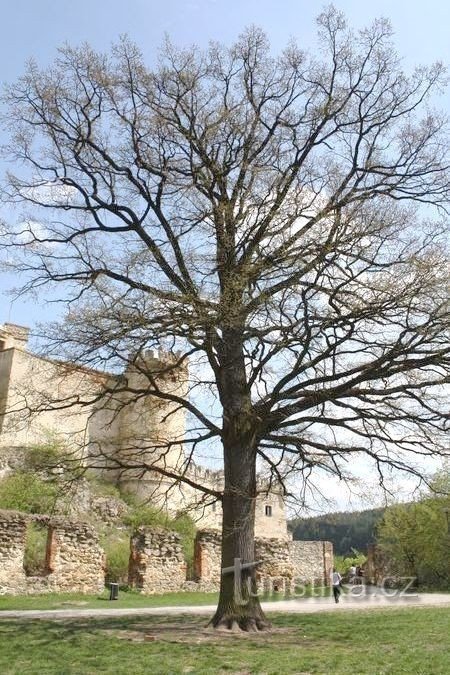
(336, 580)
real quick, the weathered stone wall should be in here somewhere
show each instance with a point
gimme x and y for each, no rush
(157, 563)
(379, 570)
(13, 527)
(207, 559)
(312, 561)
(74, 559)
(76, 563)
(275, 572)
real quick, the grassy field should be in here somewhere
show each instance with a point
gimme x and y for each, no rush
(379, 642)
(126, 599)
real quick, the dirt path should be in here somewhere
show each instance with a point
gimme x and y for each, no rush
(299, 606)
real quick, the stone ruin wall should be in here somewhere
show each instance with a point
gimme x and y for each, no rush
(207, 559)
(157, 563)
(381, 571)
(275, 573)
(312, 561)
(75, 562)
(283, 562)
(74, 559)
(13, 527)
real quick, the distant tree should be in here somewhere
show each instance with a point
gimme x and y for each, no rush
(415, 538)
(263, 215)
(343, 563)
(346, 530)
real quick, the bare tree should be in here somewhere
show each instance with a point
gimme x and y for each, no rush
(280, 220)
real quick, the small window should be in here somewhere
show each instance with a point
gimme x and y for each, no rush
(2, 345)
(268, 510)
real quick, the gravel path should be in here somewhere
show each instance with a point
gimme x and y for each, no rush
(311, 605)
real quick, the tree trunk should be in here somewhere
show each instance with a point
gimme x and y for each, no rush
(239, 606)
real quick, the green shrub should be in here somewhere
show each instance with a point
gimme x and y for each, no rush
(343, 564)
(53, 458)
(25, 491)
(102, 488)
(146, 516)
(117, 552)
(414, 537)
(185, 527)
(34, 561)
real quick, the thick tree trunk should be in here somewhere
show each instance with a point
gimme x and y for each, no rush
(239, 606)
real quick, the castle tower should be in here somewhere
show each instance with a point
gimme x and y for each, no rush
(152, 428)
(13, 336)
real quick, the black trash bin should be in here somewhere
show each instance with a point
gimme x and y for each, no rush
(113, 591)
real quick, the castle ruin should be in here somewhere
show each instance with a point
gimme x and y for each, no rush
(91, 411)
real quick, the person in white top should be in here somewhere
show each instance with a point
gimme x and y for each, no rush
(352, 574)
(336, 584)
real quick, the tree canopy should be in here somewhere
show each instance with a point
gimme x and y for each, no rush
(347, 531)
(415, 537)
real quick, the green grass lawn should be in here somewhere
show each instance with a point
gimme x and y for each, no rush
(379, 642)
(127, 599)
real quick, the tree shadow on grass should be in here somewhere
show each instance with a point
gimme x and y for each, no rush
(183, 629)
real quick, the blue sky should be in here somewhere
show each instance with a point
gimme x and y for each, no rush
(35, 28)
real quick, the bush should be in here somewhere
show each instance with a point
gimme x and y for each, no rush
(117, 552)
(102, 488)
(343, 564)
(414, 537)
(35, 556)
(146, 516)
(24, 491)
(53, 458)
(185, 527)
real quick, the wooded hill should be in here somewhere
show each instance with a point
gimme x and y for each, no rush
(347, 530)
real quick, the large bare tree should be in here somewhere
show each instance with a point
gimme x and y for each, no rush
(278, 219)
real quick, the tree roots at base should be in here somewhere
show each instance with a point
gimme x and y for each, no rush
(237, 624)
